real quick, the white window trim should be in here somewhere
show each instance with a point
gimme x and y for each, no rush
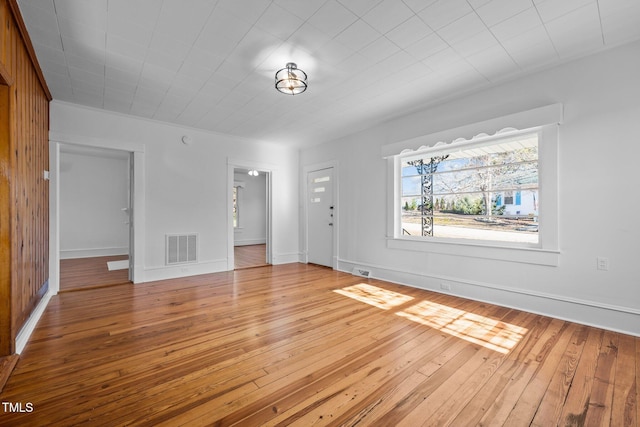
(546, 252)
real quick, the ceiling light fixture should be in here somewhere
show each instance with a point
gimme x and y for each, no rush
(253, 172)
(291, 80)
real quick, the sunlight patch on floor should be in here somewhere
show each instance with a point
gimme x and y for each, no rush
(485, 331)
(490, 333)
(375, 296)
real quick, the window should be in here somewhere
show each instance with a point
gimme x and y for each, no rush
(236, 206)
(479, 191)
(508, 197)
(484, 190)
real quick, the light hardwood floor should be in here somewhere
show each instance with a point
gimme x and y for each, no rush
(250, 256)
(303, 345)
(88, 273)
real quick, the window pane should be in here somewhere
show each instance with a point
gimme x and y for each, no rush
(465, 204)
(409, 170)
(525, 150)
(411, 186)
(505, 229)
(411, 216)
(523, 175)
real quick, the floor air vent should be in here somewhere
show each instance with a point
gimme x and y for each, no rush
(182, 248)
(358, 271)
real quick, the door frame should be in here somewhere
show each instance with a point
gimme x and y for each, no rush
(136, 182)
(268, 170)
(333, 164)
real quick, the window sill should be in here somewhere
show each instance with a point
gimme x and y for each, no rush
(484, 250)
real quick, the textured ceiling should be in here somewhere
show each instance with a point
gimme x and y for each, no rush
(210, 64)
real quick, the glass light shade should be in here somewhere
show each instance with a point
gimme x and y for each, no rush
(291, 80)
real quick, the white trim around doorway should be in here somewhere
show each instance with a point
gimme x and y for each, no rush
(56, 141)
(270, 171)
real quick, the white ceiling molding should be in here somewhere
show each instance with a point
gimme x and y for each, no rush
(88, 141)
(476, 132)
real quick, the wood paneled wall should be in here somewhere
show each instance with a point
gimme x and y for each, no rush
(24, 193)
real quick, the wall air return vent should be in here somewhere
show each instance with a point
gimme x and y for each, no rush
(362, 272)
(181, 248)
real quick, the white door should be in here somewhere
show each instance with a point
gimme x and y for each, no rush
(320, 217)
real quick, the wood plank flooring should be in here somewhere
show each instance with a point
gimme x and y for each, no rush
(7, 364)
(249, 256)
(301, 345)
(88, 273)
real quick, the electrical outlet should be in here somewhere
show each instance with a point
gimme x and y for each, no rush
(602, 263)
(445, 286)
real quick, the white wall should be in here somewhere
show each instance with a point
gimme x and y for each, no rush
(93, 190)
(186, 187)
(252, 229)
(598, 195)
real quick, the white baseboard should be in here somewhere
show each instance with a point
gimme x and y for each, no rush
(249, 242)
(615, 318)
(215, 266)
(184, 270)
(90, 253)
(29, 326)
(286, 258)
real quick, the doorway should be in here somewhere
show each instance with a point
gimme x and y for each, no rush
(251, 225)
(96, 224)
(320, 217)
